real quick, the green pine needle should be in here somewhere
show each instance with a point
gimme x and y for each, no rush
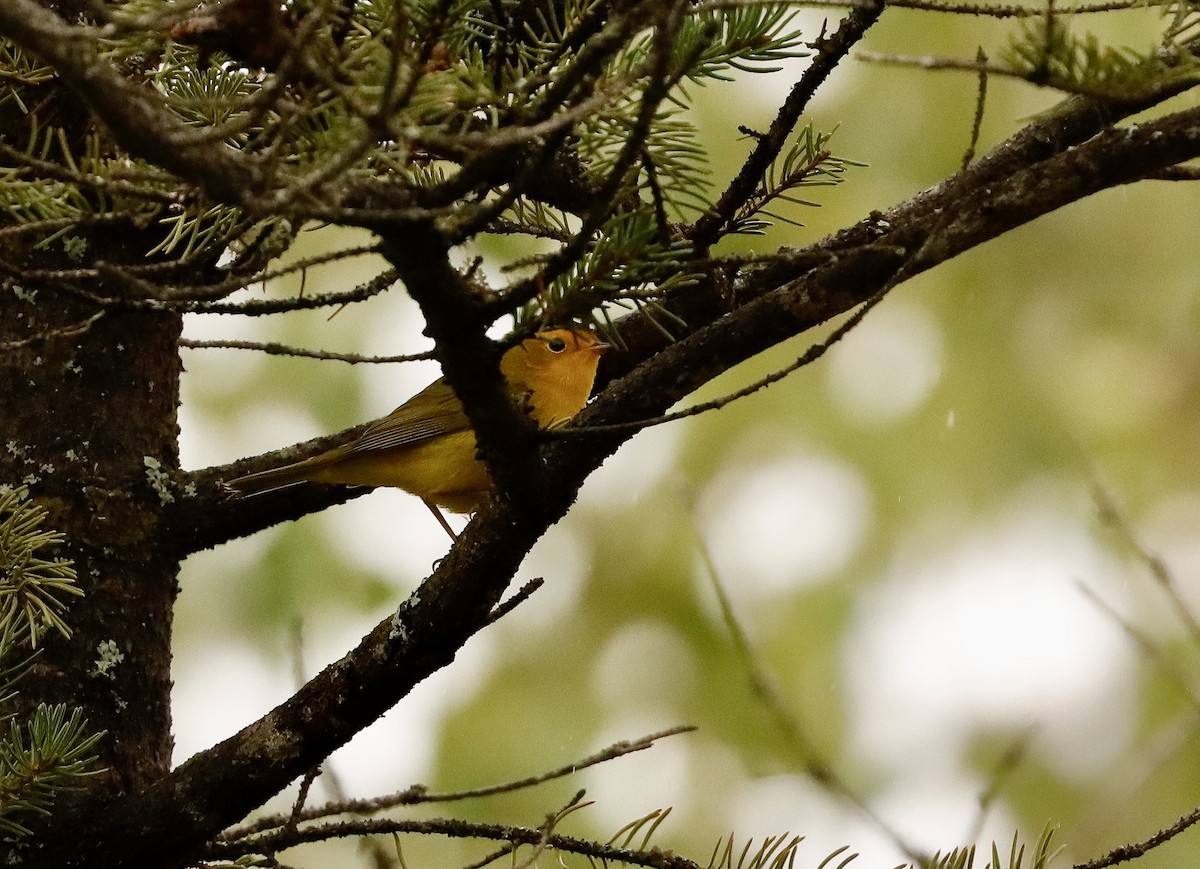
(45, 757)
(33, 588)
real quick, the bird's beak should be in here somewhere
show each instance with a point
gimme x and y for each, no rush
(600, 348)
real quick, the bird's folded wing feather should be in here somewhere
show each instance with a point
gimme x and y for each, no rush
(432, 412)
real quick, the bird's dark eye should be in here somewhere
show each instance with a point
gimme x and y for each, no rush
(556, 345)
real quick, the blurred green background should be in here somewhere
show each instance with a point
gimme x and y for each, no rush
(907, 532)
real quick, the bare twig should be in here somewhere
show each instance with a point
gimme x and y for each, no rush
(1138, 849)
(507, 606)
(1013, 11)
(418, 794)
(980, 102)
(814, 352)
(72, 330)
(275, 349)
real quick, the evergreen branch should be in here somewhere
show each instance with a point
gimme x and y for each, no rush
(244, 109)
(381, 283)
(1056, 160)
(626, 260)
(276, 349)
(53, 225)
(137, 273)
(649, 822)
(1049, 56)
(744, 38)
(830, 51)
(50, 169)
(453, 828)
(808, 164)
(964, 858)
(568, 257)
(775, 852)
(48, 756)
(32, 587)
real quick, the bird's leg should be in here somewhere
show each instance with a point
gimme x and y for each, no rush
(441, 519)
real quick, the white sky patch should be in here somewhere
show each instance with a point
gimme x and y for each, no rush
(392, 533)
(774, 527)
(637, 468)
(401, 747)
(887, 365)
(938, 810)
(220, 687)
(645, 664)
(560, 558)
(993, 632)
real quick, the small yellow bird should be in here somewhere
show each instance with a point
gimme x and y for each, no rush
(426, 446)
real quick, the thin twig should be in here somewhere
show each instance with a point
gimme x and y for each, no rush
(980, 102)
(815, 352)
(276, 349)
(419, 794)
(997, 10)
(507, 606)
(293, 821)
(655, 858)
(1010, 11)
(1039, 77)
(1135, 850)
(263, 307)
(1005, 766)
(72, 330)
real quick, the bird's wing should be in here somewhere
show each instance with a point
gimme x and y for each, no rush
(433, 411)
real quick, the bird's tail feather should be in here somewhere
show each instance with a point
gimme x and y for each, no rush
(264, 481)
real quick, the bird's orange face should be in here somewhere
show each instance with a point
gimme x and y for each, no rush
(554, 370)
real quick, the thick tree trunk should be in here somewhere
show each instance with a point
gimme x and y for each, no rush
(84, 403)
